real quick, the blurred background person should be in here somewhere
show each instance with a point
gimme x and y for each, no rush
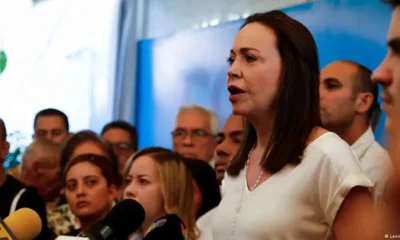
(387, 74)
(82, 142)
(40, 168)
(206, 189)
(207, 194)
(15, 195)
(228, 142)
(349, 107)
(87, 141)
(159, 180)
(90, 189)
(52, 124)
(194, 135)
(122, 136)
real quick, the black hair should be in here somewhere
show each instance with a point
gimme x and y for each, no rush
(124, 126)
(52, 112)
(205, 177)
(363, 83)
(393, 3)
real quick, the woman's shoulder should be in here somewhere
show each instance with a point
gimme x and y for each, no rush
(168, 227)
(330, 153)
(330, 147)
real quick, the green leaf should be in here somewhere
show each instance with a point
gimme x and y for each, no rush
(3, 61)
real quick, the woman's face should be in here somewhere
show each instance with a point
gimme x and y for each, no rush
(87, 191)
(255, 69)
(88, 147)
(143, 185)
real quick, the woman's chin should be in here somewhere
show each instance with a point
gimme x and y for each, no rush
(240, 109)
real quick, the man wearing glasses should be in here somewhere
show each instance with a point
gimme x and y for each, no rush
(195, 132)
(123, 137)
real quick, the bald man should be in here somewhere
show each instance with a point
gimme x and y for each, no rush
(40, 167)
(349, 108)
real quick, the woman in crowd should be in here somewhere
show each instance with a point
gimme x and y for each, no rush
(87, 141)
(90, 189)
(158, 179)
(206, 189)
(291, 179)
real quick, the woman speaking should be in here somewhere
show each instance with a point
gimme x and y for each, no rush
(291, 179)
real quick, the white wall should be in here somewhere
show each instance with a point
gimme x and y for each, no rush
(170, 16)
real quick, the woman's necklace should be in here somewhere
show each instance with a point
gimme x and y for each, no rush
(243, 189)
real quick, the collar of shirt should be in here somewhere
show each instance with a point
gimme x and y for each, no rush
(363, 143)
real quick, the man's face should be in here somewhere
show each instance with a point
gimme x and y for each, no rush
(336, 95)
(42, 173)
(52, 128)
(122, 144)
(192, 136)
(388, 74)
(229, 140)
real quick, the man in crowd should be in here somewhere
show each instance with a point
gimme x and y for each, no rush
(228, 139)
(40, 168)
(16, 195)
(388, 76)
(51, 124)
(195, 131)
(349, 107)
(123, 137)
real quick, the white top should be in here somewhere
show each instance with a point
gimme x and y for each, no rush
(204, 225)
(374, 161)
(297, 203)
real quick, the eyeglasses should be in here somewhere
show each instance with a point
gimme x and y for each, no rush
(196, 134)
(121, 146)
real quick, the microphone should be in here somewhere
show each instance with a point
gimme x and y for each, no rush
(23, 224)
(123, 219)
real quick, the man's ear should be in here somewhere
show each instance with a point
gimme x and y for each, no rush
(364, 102)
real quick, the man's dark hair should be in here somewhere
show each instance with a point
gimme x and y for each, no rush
(126, 127)
(364, 84)
(52, 112)
(3, 130)
(393, 3)
(297, 102)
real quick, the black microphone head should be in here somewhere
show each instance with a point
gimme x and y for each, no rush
(125, 218)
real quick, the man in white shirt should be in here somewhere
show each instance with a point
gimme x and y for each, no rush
(349, 107)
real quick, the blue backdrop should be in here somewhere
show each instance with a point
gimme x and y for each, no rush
(190, 67)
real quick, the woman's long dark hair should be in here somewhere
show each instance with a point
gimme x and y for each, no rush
(297, 103)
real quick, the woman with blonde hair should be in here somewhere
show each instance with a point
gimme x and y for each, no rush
(158, 179)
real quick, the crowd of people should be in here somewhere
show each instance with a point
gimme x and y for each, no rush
(297, 159)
